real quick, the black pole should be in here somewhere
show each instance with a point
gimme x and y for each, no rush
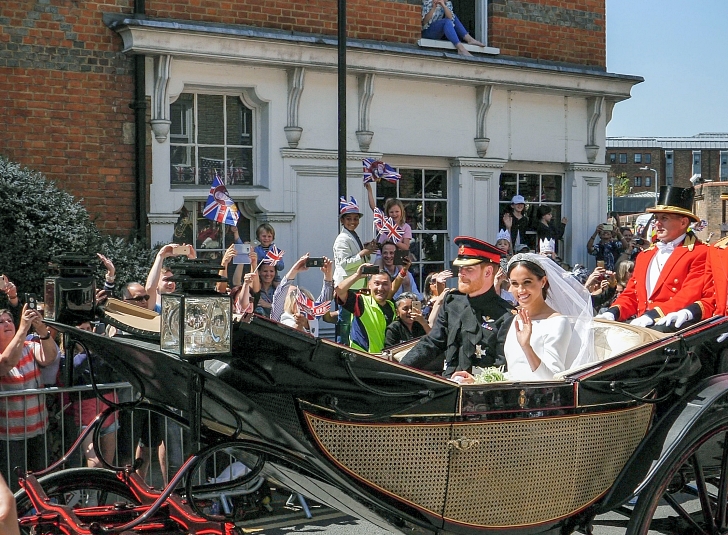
(139, 105)
(342, 102)
(342, 114)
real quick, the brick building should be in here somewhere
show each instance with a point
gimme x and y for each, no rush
(247, 90)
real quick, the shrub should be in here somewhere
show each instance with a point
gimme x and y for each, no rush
(38, 221)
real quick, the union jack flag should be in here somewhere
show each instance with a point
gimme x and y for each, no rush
(220, 207)
(394, 232)
(376, 170)
(311, 308)
(701, 225)
(379, 218)
(273, 256)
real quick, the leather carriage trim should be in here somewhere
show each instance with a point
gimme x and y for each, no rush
(514, 472)
(423, 416)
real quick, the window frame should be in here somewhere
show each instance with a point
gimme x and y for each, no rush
(418, 268)
(638, 182)
(637, 157)
(194, 146)
(612, 157)
(697, 161)
(623, 157)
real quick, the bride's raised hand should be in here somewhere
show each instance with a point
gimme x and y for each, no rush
(523, 328)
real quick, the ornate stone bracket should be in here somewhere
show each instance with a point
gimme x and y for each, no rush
(366, 92)
(593, 111)
(295, 88)
(484, 95)
(160, 98)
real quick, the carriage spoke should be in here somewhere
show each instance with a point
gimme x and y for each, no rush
(684, 514)
(705, 505)
(722, 485)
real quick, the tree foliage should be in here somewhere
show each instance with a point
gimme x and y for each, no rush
(39, 221)
(621, 185)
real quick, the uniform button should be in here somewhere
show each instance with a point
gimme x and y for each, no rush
(675, 281)
(674, 289)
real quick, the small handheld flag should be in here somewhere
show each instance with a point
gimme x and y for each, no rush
(376, 170)
(311, 308)
(220, 207)
(273, 256)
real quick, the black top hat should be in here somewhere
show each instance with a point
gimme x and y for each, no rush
(674, 200)
(472, 251)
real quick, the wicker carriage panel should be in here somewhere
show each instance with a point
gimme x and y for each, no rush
(531, 471)
(408, 461)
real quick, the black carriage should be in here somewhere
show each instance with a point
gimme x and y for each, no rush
(410, 451)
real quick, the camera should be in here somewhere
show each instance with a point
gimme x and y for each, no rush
(370, 270)
(32, 301)
(607, 226)
(314, 262)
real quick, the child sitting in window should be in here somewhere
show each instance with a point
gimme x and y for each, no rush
(393, 208)
(266, 234)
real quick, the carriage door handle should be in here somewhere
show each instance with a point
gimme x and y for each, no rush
(463, 444)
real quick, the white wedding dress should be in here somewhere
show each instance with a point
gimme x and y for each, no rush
(550, 340)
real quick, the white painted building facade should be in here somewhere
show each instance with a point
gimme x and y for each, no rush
(478, 129)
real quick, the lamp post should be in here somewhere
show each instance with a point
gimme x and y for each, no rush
(657, 183)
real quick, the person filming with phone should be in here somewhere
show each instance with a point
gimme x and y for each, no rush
(611, 245)
(410, 322)
(395, 262)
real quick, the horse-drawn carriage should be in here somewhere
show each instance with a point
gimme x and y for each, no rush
(410, 451)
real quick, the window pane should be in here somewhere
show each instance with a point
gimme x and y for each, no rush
(637, 158)
(180, 113)
(239, 123)
(212, 161)
(508, 186)
(182, 161)
(410, 185)
(414, 215)
(648, 158)
(385, 190)
(432, 247)
(436, 215)
(551, 188)
(622, 157)
(210, 120)
(528, 186)
(240, 170)
(435, 185)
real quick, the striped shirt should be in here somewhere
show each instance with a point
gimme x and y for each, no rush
(23, 416)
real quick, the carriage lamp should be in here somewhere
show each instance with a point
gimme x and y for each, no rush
(70, 290)
(196, 321)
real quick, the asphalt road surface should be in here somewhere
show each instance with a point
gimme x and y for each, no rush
(289, 519)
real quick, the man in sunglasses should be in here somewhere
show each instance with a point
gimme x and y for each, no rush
(135, 294)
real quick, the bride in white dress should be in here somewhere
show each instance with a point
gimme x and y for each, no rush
(552, 330)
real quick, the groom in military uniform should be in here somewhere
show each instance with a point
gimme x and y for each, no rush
(466, 328)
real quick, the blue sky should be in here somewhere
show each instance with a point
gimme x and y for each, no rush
(680, 48)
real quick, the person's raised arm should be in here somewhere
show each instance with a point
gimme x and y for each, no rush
(370, 196)
(221, 287)
(50, 349)
(12, 354)
(590, 243)
(327, 288)
(342, 289)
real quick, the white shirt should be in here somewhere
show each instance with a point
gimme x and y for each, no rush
(658, 262)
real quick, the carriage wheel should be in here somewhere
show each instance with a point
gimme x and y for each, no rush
(689, 494)
(79, 487)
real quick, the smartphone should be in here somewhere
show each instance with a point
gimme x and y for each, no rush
(32, 301)
(3, 282)
(315, 262)
(242, 253)
(181, 250)
(455, 270)
(399, 256)
(370, 270)
(417, 306)
(607, 226)
(600, 263)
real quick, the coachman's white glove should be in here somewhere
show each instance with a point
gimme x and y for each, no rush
(605, 316)
(722, 338)
(642, 321)
(678, 318)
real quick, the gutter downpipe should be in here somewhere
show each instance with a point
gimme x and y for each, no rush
(139, 105)
(341, 79)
